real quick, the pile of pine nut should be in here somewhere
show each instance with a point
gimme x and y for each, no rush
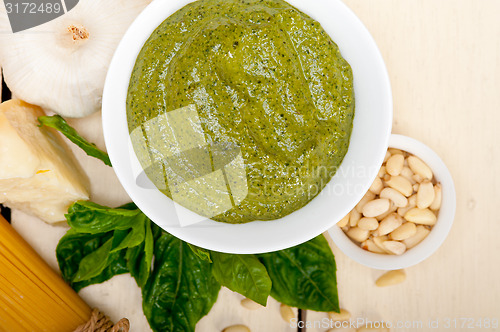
(399, 209)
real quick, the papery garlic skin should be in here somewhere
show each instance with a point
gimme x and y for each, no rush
(61, 65)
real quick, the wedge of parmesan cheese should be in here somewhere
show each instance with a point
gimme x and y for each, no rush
(38, 173)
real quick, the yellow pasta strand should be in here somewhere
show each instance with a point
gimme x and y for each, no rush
(41, 269)
(33, 285)
(7, 320)
(13, 294)
(32, 296)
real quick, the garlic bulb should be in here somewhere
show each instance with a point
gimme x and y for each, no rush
(61, 65)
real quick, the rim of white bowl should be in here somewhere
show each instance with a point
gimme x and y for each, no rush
(370, 77)
(439, 231)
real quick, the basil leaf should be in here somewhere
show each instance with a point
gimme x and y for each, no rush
(58, 123)
(244, 274)
(304, 276)
(134, 238)
(153, 232)
(181, 289)
(117, 265)
(73, 247)
(122, 241)
(139, 258)
(95, 262)
(137, 265)
(88, 217)
(200, 252)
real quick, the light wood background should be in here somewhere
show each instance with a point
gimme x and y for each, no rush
(443, 57)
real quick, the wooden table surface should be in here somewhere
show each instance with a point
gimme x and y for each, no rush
(443, 59)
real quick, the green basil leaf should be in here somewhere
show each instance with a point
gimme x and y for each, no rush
(73, 247)
(200, 252)
(137, 265)
(304, 276)
(117, 264)
(128, 206)
(181, 289)
(244, 274)
(153, 233)
(119, 236)
(139, 258)
(95, 262)
(131, 248)
(88, 217)
(133, 238)
(58, 123)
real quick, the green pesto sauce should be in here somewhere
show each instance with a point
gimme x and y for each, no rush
(262, 76)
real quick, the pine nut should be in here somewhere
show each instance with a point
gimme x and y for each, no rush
(389, 223)
(376, 186)
(400, 184)
(407, 173)
(376, 207)
(354, 217)
(394, 151)
(419, 167)
(421, 216)
(387, 156)
(369, 196)
(391, 278)
(344, 221)
(403, 210)
(286, 313)
(394, 165)
(379, 242)
(357, 234)
(404, 231)
(412, 200)
(417, 178)
(369, 224)
(381, 172)
(392, 209)
(236, 328)
(250, 304)
(371, 246)
(399, 199)
(341, 316)
(436, 204)
(415, 187)
(395, 247)
(421, 234)
(425, 195)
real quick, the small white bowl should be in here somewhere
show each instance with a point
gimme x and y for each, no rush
(369, 139)
(439, 231)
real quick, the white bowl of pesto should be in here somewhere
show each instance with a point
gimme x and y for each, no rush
(368, 142)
